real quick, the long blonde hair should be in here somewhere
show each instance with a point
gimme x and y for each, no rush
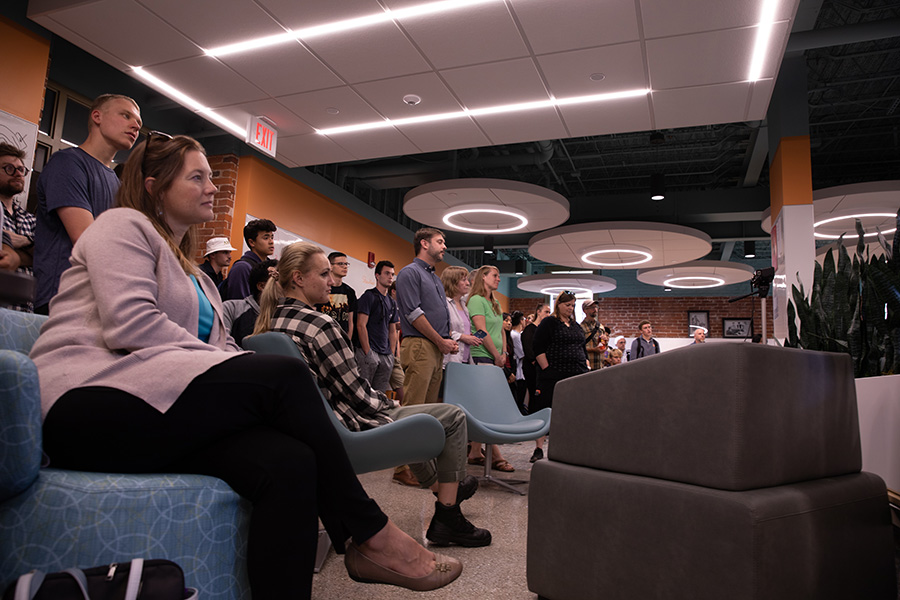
(295, 257)
(478, 288)
(164, 162)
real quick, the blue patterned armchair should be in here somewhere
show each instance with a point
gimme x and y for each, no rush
(51, 519)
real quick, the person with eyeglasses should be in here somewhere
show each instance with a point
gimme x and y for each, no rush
(138, 375)
(18, 224)
(342, 302)
(260, 237)
(76, 186)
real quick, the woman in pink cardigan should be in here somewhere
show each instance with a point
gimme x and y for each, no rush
(139, 375)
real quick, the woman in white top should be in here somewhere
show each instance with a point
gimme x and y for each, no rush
(456, 286)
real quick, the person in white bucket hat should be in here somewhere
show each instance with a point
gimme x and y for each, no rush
(218, 256)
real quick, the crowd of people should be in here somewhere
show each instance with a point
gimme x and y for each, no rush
(154, 346)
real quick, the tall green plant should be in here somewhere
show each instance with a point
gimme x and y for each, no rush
(853, 307)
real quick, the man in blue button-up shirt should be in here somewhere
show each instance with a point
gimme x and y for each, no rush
(424, 320)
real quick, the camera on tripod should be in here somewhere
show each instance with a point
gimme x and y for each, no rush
(762, 281)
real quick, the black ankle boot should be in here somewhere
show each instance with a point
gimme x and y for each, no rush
(449, 526)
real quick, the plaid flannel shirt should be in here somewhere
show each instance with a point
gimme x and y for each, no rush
(593, 358)
(327, 351)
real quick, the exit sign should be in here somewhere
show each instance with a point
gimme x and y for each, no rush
(262, 136)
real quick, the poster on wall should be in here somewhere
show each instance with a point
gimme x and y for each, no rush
(779, 288)
(359, 276)
(23, 135)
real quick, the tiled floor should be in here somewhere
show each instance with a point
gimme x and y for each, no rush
(496, 571)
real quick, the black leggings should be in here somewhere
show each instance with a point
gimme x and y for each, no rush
(258, 423)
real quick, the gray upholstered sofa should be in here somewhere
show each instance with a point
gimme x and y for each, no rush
(709, 472)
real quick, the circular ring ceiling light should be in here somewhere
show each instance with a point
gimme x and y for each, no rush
(700, 282)
(647, 257)
(486, 206)
(554, 291)
(697, 275)
(581, 284)
(852, 236)
(523, 222)
(619, 245)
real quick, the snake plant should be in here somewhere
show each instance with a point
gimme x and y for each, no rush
(853, 307)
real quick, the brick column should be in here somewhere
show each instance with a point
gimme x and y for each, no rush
(224, 172)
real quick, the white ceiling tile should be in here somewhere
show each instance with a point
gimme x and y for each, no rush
(531, 125)
(84, 44)
(569, 73)
(379, 52)
(312, 149)
(445, 135)
(387, 95)
(283, 69)
(614, 116)
(700, 59)
(375, 143)
(297, 15)
(553, 26)
(497, 83)
(207, 81)
(207, 24)
(313, 107)
(478, 34)
(112, 24)
(710, 104)
(286, 122)
(664, 18)
(760, 95)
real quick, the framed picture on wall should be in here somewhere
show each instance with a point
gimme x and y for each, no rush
(737, 328)
(698, 318)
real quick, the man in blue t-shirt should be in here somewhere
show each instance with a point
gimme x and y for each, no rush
(377, 328)
(76, 186)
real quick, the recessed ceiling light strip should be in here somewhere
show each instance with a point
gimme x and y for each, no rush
(186, 100)
(763, 35)
(345, 25)
(476, 112)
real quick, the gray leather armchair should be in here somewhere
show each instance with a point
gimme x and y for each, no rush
(709, 472)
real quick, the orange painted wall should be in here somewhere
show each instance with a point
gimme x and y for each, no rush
(790, 174)
(265, 192)
(24, 70)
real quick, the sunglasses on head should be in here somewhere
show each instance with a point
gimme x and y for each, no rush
(161, 135)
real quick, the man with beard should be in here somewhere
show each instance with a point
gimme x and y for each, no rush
(18, 224)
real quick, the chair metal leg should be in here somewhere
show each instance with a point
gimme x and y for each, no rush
(322, 548)
(503, 483)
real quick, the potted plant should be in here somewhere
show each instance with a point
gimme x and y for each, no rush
(854, 307)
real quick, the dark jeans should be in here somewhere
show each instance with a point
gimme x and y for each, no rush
(258, 423)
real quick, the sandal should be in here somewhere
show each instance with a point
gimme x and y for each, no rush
(478, 460)
(503, 466)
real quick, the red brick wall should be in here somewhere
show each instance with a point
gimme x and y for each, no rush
(224, 168)
(668, 315)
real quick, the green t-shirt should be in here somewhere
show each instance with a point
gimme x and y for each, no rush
(479, 305)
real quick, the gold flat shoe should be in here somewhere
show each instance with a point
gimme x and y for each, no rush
(365, 570)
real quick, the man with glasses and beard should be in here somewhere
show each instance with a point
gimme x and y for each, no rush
(18, 224)
(76, 186)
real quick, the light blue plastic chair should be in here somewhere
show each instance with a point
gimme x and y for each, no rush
(412, 439)
(491, 412)
(53, 519)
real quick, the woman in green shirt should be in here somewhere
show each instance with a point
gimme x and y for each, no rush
(486, 316)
